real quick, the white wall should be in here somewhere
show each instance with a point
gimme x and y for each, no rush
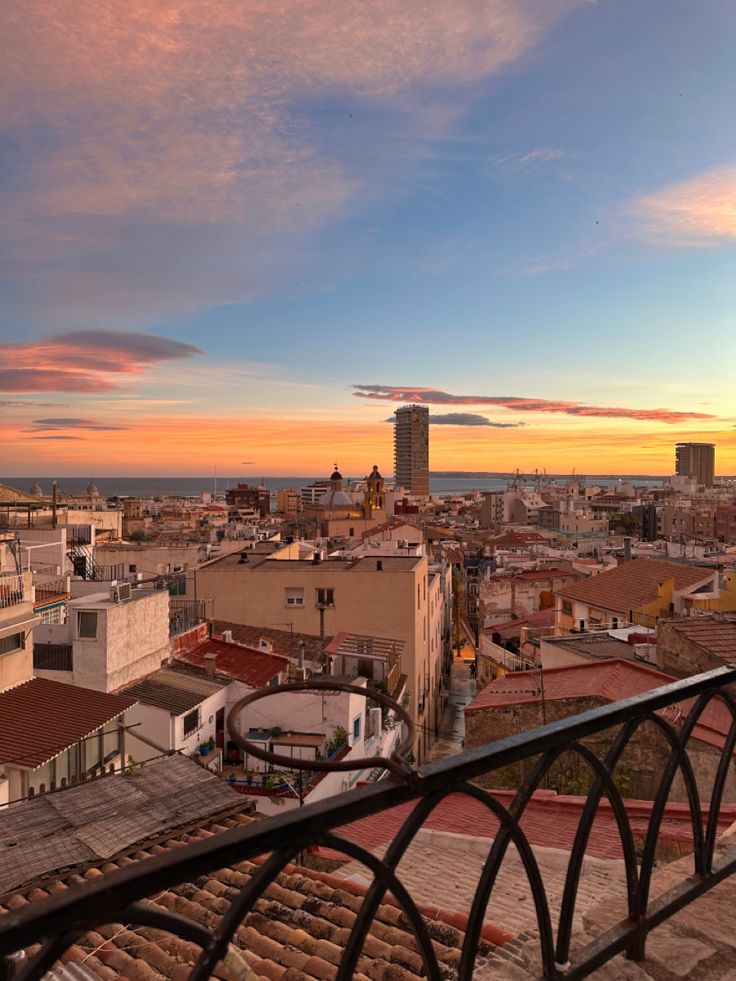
(132, 640)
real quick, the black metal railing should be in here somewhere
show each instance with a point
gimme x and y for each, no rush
(185, 614)
(53, 657)
(119, 897)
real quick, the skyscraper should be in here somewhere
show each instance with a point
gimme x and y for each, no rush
(696, 460)
(411, 448)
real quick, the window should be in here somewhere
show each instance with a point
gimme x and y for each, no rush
(13, 642)
(567, 607)
(191, 722)
(132, 568)
(356, 727)
(325, 597)
(293, 596)
(178, 586)
(87, 625)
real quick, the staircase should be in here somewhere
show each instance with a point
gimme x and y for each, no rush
(83, 561)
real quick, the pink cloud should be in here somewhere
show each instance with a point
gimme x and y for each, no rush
(434, 396)
(191, 112)
(700, 211)
(82, 360)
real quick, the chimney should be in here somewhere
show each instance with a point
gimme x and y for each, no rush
(243, 558)
(227, 636)
(316, 558)
(627, 549)
(209, 664)
(379, 565)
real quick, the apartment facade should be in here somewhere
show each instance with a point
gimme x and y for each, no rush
(395, 597)
(696, 460)
(17, 620)
(411, 449)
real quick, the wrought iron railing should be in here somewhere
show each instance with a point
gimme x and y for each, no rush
(53, 590)
(120, 896)
(185, 614)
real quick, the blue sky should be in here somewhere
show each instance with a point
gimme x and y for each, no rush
(516, 198)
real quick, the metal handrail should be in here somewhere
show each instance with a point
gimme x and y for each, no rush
(116, 897)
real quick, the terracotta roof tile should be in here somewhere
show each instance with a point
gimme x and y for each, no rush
(26, 736)
(715, 636)
(253, 667)
(550, 820)
(632, 584)
(284, 642)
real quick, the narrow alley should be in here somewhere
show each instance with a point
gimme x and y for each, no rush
(452, 725)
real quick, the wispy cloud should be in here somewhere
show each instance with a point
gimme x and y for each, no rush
(83, 360)
(175, 115)
(700, 211)
(57, 436)
(25, 404)
(521, 163)
(71, 422)
(434, 396)
(466, 419)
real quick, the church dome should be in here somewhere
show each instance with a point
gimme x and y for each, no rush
(92, 490)
(36, 490)
(336, 475)
(336, 499)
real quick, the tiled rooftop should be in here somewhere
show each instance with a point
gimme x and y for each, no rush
(715, 636)
(253, 667)
(91, 822)
(610, 680)
(632, 584)
(297, 930)
(284, 642)
(175, 690)
(41, 718)
(550, 821)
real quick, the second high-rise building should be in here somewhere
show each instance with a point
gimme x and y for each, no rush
(696, 460)
(411, 449)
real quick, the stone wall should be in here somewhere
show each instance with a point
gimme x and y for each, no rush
(637, 775)
(681, 657)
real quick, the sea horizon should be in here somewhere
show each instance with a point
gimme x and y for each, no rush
(445, 483)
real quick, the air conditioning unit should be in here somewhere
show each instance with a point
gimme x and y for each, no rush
(123, 591)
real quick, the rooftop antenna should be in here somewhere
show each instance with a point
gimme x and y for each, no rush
(215, 482)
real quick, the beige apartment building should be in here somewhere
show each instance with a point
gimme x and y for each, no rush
(393, 597)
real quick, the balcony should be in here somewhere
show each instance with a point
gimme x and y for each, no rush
(176, 876)
(14, 589)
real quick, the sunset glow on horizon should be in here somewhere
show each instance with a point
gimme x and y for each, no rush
(249, 232)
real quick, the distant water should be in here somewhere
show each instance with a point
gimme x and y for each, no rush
(193, 486)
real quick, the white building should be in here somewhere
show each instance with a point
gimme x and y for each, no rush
(110, 639)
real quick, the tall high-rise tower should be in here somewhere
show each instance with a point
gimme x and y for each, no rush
(696, 460)
(411, 448)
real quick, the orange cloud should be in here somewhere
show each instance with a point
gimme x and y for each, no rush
(699, 211)
(433, 396)
(81, 360)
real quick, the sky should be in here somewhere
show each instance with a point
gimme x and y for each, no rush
(238, 235)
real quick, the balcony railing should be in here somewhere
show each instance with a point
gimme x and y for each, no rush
(118, 897)
(185, 614)
(12, 589)
(55, 590)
